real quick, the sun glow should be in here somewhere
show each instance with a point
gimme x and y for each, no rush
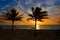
(37, 27)
(37, 22)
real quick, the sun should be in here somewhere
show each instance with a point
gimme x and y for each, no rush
(37, 27)
(37, 22)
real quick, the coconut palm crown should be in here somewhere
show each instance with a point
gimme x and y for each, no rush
(37, 15)
(12, 15)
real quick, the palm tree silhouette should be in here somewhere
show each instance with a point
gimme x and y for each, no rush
(37, 15)
(12, 15)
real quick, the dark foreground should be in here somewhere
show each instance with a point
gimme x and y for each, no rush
(23, 34)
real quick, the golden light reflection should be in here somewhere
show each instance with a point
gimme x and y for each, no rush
(37, 27)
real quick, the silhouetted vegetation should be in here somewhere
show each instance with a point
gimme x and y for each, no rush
(37, 15)
(12, 15)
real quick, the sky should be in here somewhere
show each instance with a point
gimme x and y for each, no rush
(52, 6)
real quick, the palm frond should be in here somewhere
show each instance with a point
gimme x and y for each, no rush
(37, 13)
(30, 15)
(32, 8)
(45, 17)
(2, 16)
(12, 15)
(40, 20)
(29, 19)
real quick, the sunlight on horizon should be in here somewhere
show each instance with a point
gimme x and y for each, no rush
(38, 22)
(37, 27)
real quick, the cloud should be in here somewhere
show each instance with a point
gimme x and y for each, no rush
(37, 5)
(56, 11)
(28, 2)
(19, 5)
(50, 2)
(6, 6)
(54, 14)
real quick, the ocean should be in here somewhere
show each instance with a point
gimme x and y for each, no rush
(30, 27)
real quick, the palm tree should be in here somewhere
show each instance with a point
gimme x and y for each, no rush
(12, 15)
(37, 15)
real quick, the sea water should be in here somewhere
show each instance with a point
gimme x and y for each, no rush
(30, 27)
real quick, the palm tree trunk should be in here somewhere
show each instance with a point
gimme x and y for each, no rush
(35, 24)
(12, 26)
(35, 28)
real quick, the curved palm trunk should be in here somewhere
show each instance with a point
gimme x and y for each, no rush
(12, 26)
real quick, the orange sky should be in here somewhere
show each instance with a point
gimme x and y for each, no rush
(53, 19)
